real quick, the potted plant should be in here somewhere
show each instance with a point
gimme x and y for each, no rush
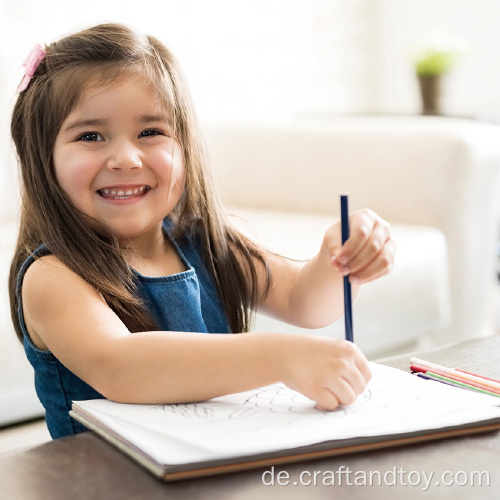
(431, 63)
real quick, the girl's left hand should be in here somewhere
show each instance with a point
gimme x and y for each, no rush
(369, 251)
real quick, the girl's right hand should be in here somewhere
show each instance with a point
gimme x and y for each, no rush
(329, 371)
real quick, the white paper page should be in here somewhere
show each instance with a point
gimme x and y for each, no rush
(275, 417)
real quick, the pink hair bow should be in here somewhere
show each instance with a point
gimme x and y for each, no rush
(34, 58)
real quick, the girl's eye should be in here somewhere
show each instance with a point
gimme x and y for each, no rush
(90, 137)
(150, 132)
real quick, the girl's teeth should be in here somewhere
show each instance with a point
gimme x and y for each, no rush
(121, 194)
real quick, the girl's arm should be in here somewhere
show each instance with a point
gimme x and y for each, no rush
(68, 316)
(311, 295)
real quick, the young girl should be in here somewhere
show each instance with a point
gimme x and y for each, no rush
(124, 258)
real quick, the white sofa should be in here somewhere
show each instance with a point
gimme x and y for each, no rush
(436, 179)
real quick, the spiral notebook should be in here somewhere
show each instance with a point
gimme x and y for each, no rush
(273, 425)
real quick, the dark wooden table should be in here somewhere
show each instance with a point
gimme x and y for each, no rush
(85, 468)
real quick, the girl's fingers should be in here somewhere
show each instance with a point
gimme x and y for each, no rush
(379, 266)
(332, 395)
(369, 251)
(362, 224)
(364, 369)
(326, 400)
(338, 373)
(356, 383)
(345, 385)
(341, 391)
(370, 248)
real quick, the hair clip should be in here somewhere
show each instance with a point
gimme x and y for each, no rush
(34, 58)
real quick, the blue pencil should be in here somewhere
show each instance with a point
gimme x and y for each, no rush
(344, 222)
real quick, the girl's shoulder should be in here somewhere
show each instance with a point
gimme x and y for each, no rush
(45, 268)
(49, 288)
(65, 313)
(49, 281)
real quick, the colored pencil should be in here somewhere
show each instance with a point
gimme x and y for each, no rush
(422, 369)
(456, 383)
(461, 375)
(476, 375)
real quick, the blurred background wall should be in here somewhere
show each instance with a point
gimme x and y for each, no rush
(277, 60)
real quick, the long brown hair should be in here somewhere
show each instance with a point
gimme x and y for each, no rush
(107, 52)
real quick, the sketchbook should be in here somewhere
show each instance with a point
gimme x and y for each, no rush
(275, 425)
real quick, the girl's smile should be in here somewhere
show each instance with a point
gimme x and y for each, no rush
(116, 159)
(123, 193)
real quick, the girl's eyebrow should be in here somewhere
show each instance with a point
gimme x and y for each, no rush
(84, 123)
(153, 118)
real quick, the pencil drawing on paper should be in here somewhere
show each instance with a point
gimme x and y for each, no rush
(278, 398)
(262, 410)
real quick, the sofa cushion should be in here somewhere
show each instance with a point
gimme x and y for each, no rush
(390, 312)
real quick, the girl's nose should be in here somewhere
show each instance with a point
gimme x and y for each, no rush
(124, 156)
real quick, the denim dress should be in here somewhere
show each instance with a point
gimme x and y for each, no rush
(187, 302)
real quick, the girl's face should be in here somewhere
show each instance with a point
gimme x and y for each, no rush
(115, 158)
